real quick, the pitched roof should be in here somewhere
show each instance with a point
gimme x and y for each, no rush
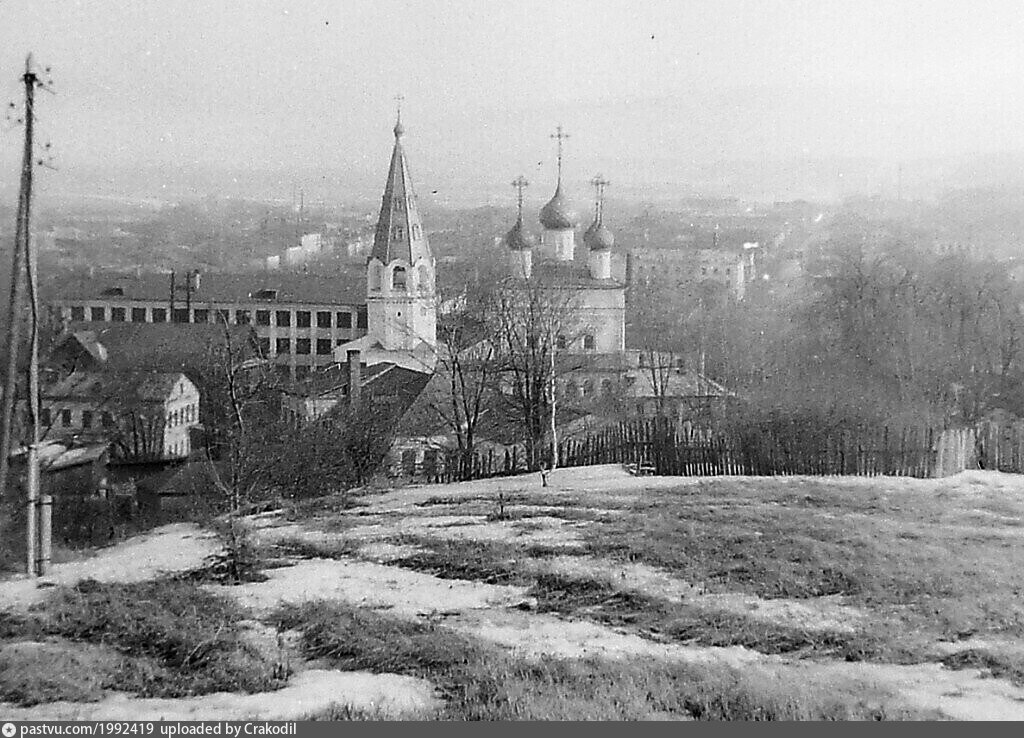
(188, 348)
(396, 237)
(343, 288)
(123, 388)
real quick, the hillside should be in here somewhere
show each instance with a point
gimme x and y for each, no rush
(603, 596)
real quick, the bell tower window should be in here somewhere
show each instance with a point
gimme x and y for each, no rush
(398, 278)
(397, 233)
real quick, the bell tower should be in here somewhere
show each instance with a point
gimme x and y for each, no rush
(400, 296)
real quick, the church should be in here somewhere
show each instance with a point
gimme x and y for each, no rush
(400, 279)
(594, 340)
(599, 369)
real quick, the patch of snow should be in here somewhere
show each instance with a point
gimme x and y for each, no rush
(406, 593)
(308, 692)
(382, 551)
(168, 549)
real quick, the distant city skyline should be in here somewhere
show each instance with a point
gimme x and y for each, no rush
(651, 92)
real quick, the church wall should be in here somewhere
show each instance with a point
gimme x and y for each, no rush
(603, 311)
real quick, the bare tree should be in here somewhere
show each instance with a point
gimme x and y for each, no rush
(534, 322)
(463, 389)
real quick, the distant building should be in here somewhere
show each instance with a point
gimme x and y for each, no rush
(298, 318)
(145, 415)
(685, 268)
(197, 351)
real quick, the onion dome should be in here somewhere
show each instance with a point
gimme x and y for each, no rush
(518, 238)
(598, 237)
(558, 214)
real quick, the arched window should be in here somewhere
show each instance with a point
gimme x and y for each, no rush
(415, 230)
(376, 274)
(397, 233)
(643, 362)
(589, 344)
(424, 277)
(588, 388)
(398, 278)
(560, 341)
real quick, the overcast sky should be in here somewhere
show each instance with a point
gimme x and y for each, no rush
(643, 87)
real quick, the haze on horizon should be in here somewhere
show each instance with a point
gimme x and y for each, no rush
(650, 92)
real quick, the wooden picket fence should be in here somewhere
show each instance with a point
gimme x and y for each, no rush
(1001, 445)
(659, 446)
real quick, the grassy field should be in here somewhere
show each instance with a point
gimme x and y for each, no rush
(603, 596)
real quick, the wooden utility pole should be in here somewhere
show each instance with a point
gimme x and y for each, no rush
(38, 517)
(14, 313)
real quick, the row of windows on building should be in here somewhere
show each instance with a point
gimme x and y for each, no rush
(587, 389)
(105, 419)
(279, 318)
(301, 346)
(65, 417)
(183, 416)
(589, 342)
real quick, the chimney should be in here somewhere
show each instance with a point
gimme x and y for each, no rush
(355, 375)
(629, 268)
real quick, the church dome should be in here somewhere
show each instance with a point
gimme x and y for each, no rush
(519, 239)
(558, 214)
(598, 237)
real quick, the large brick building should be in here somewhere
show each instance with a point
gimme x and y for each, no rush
(298, 318)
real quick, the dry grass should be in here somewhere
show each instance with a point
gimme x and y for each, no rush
(482, 682)
(171, 639)
(898, 553)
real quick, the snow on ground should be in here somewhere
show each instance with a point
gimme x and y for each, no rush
(168, 549)
(498, 613)
(389, 695)
(813, 614)
(403, 592)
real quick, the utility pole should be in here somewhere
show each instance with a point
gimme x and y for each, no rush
(14, 311)
(38, 547)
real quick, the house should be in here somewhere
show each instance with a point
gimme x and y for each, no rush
(145, 416)
(391, 389)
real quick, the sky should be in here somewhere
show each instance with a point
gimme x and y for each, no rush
(649, 91)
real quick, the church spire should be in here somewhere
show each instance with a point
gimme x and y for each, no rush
(399, 232)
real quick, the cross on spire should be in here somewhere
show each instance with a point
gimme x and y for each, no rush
(599, 183)
(520, 184)
(560, 135)
(399, 128)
